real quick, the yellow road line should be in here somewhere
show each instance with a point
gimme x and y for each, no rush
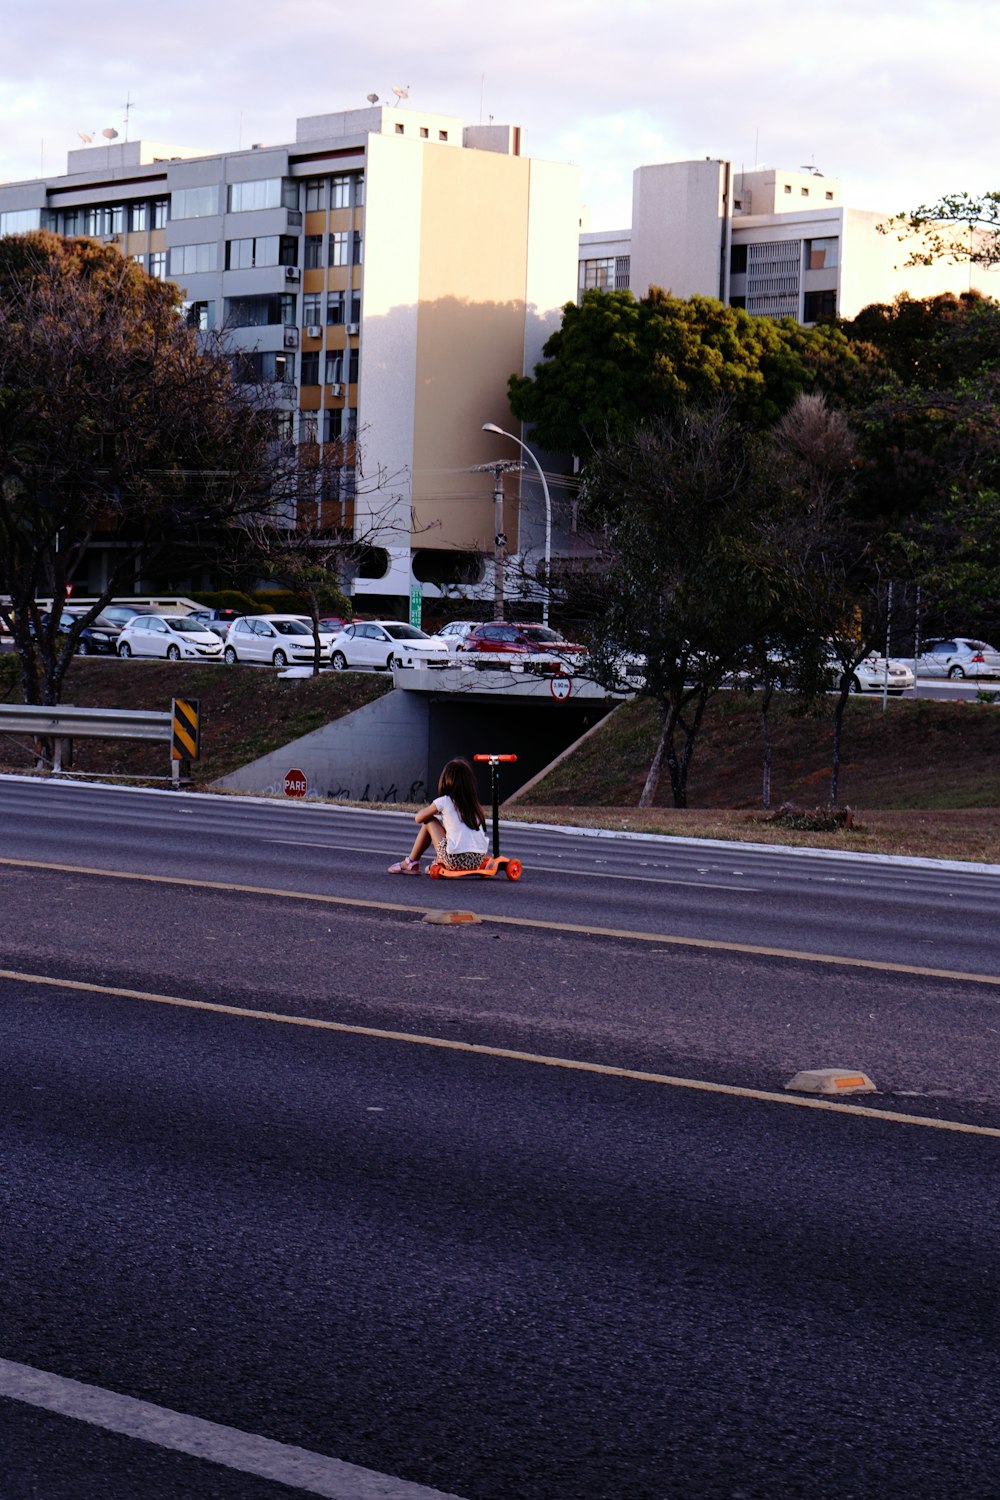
(715, 945)
(508, 1054)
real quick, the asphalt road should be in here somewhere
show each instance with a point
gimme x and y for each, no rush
(278, 1209)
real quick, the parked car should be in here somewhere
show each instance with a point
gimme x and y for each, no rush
(171, 636)
(281, 640)
(871, 675)
(958, 657)
(454, 633)
(217, 621)
(93, 640)
(522, 640)
(385, 644)
(116, 616)
(333, 623)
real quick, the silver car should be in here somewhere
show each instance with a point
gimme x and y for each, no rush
(958, 657)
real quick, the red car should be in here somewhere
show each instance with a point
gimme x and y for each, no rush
(522, 640)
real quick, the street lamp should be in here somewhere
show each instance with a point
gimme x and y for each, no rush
(492, 427)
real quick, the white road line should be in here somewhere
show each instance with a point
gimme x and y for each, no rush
(299, 1468)
(701, 885)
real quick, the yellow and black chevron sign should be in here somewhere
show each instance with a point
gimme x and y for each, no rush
(186, 741)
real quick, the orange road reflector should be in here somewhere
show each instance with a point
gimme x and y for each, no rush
(450, 918)
(831, 1081)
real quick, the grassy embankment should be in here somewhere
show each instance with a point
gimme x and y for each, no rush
(923, 778)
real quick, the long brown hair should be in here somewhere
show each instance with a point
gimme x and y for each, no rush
(459, 783)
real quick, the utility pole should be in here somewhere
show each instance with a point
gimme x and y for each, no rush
(498, 470)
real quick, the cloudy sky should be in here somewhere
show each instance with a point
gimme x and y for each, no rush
(896, 97)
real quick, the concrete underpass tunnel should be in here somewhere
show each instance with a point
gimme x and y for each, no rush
(536, 732)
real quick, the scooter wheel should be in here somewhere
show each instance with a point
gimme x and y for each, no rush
(435, 871)
(513, 868)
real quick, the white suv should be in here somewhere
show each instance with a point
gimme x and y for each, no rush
(280, 640)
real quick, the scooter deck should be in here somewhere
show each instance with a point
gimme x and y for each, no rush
(491, 865)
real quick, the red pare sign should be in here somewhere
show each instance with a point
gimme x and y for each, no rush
(295, 783)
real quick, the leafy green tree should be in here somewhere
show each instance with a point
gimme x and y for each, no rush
(617, 360)
(116, 426)
(684, 573)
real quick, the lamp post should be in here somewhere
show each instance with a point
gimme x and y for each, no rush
(492, 427)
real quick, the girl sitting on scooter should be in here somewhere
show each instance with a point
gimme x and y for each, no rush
(454, 823)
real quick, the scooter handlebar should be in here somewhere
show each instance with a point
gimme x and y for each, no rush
(493, 759)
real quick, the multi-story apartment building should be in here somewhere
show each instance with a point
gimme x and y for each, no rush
(779, 243)
(387, 272)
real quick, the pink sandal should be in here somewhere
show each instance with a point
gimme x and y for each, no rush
(405, 867)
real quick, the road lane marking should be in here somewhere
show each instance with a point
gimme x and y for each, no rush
(699, 885)
(507, 1054)
(299, 1468)
(712, 945)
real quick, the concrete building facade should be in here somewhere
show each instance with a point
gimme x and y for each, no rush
(779, 243)
(386, 273)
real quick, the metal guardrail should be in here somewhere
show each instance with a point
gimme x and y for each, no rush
(63, 723)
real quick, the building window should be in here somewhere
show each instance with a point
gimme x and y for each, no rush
(334, 373)
(282, 426)
(819, 305)
(773, 276)
(788, 187)
(260, 312)
(737, 259)
(334, 423)
(336, 303)
(20, 220)
(424, 133)
(340, 192)
(352, 367)
(160, 209)
(138, 216)
(399, 129)
(194, 202)
(822, 255)
(339, 248)
(284, 368)
(310, 367)
(359, 190)
(189, 260)
(263, 192)
(737, 302)
(265, 250)
(804, 192)
(307, 424)
(315, 195)
(442, 135)
(355, 308)
(200, 315)
(598, 275)
(312, 302)
(313, 251)
(102, 219)
(829, 196)
(158, 265)
(357, 248)
(72, 221)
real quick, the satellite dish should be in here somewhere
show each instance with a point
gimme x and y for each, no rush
(85, 137)
(401, 93)
(372, 98)
(109, 133)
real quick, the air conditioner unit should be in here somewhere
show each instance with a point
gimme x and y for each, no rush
(354, 329)
(291, 338)
(291, 273)
(336, 389)
(314, 331)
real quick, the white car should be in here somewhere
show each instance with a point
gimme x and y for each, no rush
(454, 633)
(871, 676)
(279, 640)
(176, 637)
(385, 644)
(958, 657)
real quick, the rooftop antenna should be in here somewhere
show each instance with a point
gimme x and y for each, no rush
(810, 166)
(372, 98)
(128, 107)
(400, 92)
